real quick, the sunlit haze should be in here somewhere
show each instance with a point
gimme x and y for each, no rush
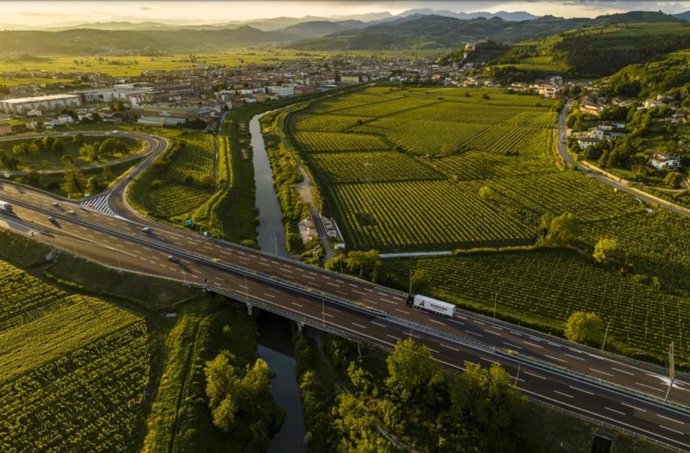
(55, 14)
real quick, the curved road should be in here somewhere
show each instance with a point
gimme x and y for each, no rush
(609, 388)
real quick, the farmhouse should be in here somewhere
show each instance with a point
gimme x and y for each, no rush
(662, 161)
(590, 108)
(20, 106)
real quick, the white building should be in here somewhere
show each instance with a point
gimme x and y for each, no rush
(20, 106)
(349, 79)
(159, 120)
(131, 96)
(662, 161)
(282, 91)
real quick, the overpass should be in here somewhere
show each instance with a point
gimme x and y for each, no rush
(603, 387)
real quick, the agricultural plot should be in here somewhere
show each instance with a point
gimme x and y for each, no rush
(478, 165)
(379, 166)
(196, 160)
(74, 369)
(327, 123)
(550, 285)
(422, 214)
(334, 141)
(174, 199)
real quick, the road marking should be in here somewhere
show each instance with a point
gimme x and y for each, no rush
(614, 410)
(393, 336)
(551, 343)
(671, 429)
(481, 323)
(309, 277)
(381, 294)
(512, 345)
(449, 347)
(648, 386)
(602, 372)
(563, 394)
(534, 345)
(359, 292)
(437, 322)
(488, 360)
(498, 334)
(535, 375)
(634, 407)
(353, 285)
(671, 419)
(476, 334)
(332, 284)
(358, 325)
(623, 371)
(581, 390)
(328, 314)
(296, 304)
(378, 324)
(515, 333)
(389, 302)
(555, 358)
(400, 311)
(574, 356)
(270, 295)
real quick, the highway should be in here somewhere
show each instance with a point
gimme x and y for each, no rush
(604, 387)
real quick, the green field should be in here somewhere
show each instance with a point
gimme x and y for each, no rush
(74, 369)
(402, 169)
(33, 153)
(177, 186)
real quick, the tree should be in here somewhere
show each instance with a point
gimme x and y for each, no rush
(358, 428)
(412, 371)
(34, 178)
(364, 263)
(93, 185)
(604, 250)
(7, 161)
(486, 193)
(673, 179)
(58, 146)
(583, 327)
(207, 181)
(88, 152)
(78, 139)
(564, 229)
(419, 280)
(110, 146)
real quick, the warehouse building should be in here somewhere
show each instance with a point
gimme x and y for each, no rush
(21, 106)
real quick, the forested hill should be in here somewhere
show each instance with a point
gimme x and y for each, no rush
(428, 32)
(667, 76)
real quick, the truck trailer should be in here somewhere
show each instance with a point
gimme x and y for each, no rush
(6, 207)
(436, 306)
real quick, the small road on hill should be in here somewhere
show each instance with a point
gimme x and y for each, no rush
(621, 185)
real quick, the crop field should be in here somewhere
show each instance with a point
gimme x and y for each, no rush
(168, 191)
(377, 166)
(402, 169)
(433, 214)
(533, 284)
(74, 369)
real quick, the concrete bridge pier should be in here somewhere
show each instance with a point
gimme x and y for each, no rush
(250, 308)
(300, 326)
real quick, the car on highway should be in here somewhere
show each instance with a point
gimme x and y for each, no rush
(173, 259)
(71, 212)
(56, 204)
(51, 219)
(146, 230)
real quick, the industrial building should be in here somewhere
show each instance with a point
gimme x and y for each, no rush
(21, 106)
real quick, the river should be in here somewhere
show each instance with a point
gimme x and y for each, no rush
(271, 230)
(275, 331)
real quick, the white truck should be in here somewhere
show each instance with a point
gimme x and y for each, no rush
(432, 305)
(6, 207)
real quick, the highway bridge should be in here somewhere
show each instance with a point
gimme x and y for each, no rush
(600, 386)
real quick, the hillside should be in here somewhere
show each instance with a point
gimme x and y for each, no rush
(436, 31)
(600, 50)
(666, 76)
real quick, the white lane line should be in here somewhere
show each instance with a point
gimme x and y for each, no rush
(602, 372)
(534, 345)
(270, 295)
(670, 429)
(535, 375)
(574, 356)
(308, 276)
(614, 410)
(393, 336)
(359, 292)
(476, 334)
(353, 285)
(581, 390)
(497, 327)
(358, 325)
(378, 324)
(563, 394)
(381, 294)
(332, 284)
(648, 386)
(481, 323)
(515, 333)
(449, 347)
(623, 371)
(555, 358)
(498, 334)
(401, 311)
(488, 360)
(389, 302)
(634, 407)
(437, 322)
(671, 419)
(296, 304)
(328, 314)
(512, 345)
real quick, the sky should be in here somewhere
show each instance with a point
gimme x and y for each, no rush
(36, 14)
